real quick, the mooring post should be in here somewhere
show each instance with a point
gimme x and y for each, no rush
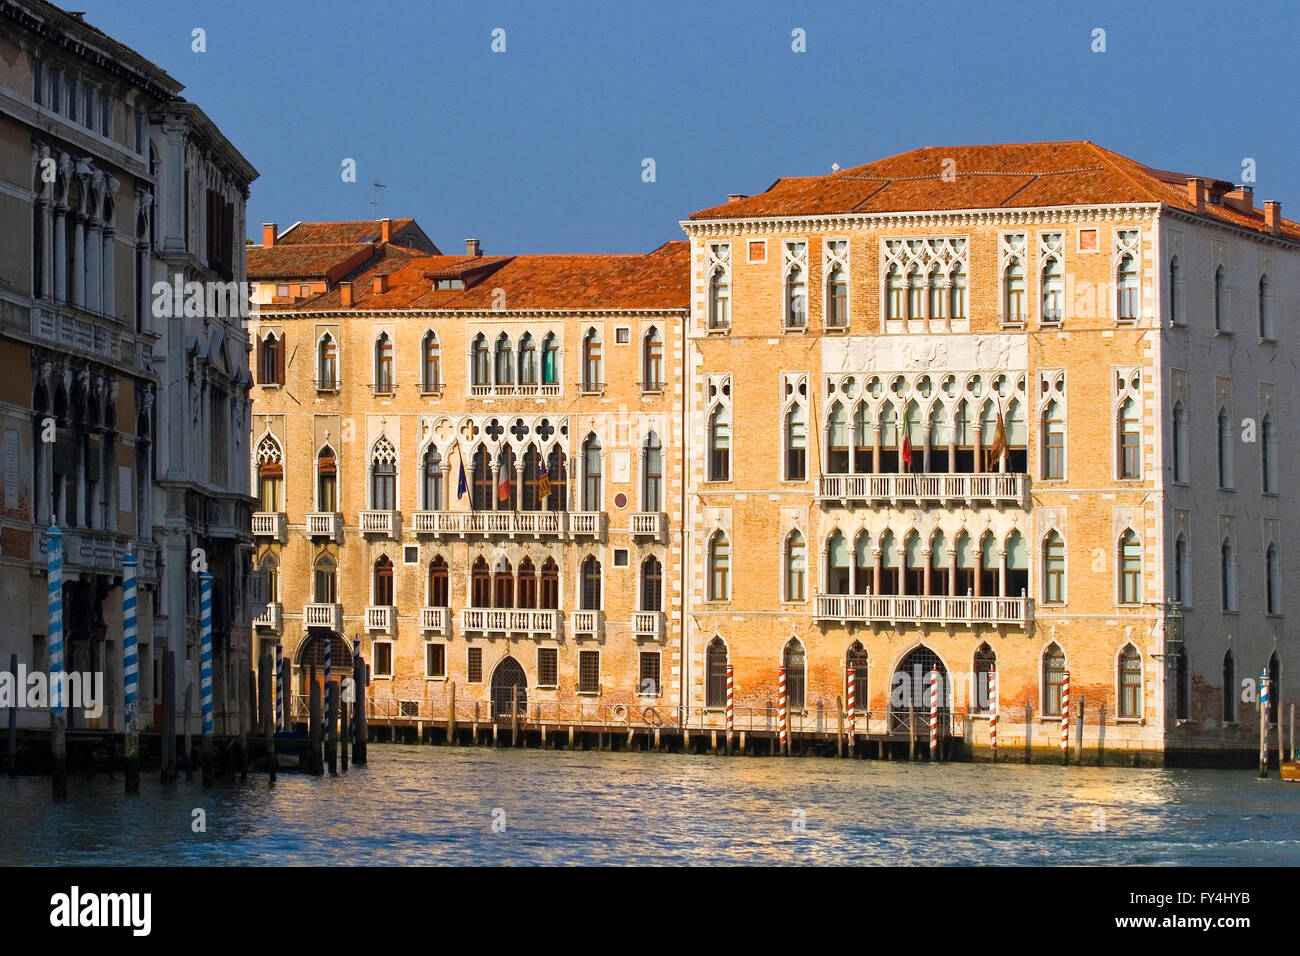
(343, 737)
(911, 733)
(514, 715)
(1294, 750)
(169, 717)
(1281, 753)
(1078, 737)
(361, 678)
(130, 679)
(451, 712)
(1263, 725)
(12, 751)
(315, 763)
(331, 745)
(205, 671)
(268, 713)
(58, 717)
(246, 712)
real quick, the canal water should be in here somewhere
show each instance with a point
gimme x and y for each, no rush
(441, 805)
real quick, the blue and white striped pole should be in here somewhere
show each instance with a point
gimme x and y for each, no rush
(205, 670)
(279, 688)
(58, 719)
(329, 710)
(130, 675)
(1263, 724)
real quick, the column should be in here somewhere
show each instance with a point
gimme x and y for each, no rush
(60, 238)
(44, 455)
(109, 284)
(79, 261)
(979, 565)
(94, 264)
(494, 503)
(979, 448)
(143, 302)
(928, 434)
(877, 567)
(447, 489)
(47, 251)
(927, 587)
(80, 506)
(952, 569)
(174, 185)
(1002, 572)
(875, 450)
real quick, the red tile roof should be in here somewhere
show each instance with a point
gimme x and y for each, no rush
(303, 260)
(364, 230)
(1012, 175)
(657, 280)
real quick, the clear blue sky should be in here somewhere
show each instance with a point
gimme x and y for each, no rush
(539, 148)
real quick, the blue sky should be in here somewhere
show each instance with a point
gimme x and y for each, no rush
(540, 148)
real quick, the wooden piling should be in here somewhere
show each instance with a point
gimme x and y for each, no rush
(331, 722)
(268, 712)
(245, 716)
(1263, 727)
(169, 717)
(657, 739)
(343, 738)
(315, 762)
(360, 734)
(514, 715)
(743, 747)
(1078, 737)
(911, 734)
(1294, 751)
(11, 753)
(1281, 753)
(185, 729)
(839, 735)
(451, 713)
(570, 736)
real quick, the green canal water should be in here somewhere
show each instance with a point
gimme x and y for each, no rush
(441, 805)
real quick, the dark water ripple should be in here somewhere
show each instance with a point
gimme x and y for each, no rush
(426, 805)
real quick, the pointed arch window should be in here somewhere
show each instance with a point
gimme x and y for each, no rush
(837, 439)
(1175, 292)
(720, 444)
(719, 299)
(480, 362)
(325, 580)
(894, 304)
(383, 364)
(891, 562)
(270, 475)
(480, 583)
(530, 498)
(1053, 676)
(505, 361)
(1130, 682)
(550, 360)
(270, 361)
(1053, 281)
(481, 498)
(796, 298)
(719, 561)
(1180, 449)
(652, 474)
(527, 360)
(985, 662)
(794, 659)
(1229, 689)
(271, 568)
(384, 582)
(915, 294)
(1053, 568)
(1130, 440)
(439, 590)
(589, 584)
(1225, 450)
(1182, 570)
(1268, 454)
(958, 291)
(327, 363)
(1126, 281)
(837, 299)
(1013, 291)
(527, 584)
(938, 303)
(1130, 568)
(652, 361)
(430, 363)
(1053, 441)
(1272, 581)
(1228, 576)
(652, 584)
(550, 585)
(383, 476)
(796, 443)
(592, 499)
(593, 366)
(503, 583)
(1265, 307)
(433, 481)
(557, 470)
(1221, 319)
(327, 483)
(796, 567)
(715, 692)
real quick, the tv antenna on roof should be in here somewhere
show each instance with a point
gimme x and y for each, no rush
(375, 186)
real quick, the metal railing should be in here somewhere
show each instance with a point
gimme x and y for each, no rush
(991, 486)
(934, 609)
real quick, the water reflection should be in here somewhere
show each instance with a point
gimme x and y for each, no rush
(426, 805)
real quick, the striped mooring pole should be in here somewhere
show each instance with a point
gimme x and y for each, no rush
(58, 718)
(1065, 716)
(325, 703)
(993, 713)
(205, 671)
(851, 704)
(130, 675)
(279, 687)
(1263, 724)
(783, 739)
(934, 713)
(731, 700)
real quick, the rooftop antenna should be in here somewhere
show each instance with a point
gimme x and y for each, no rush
(375, 186)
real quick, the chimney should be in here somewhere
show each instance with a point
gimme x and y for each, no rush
(734, 197)
(381, 283)
(472, 248)
(269, 230)
(1241, 198)
(345, 294)
(385, 229)
(1273, 217)
(1196, 194)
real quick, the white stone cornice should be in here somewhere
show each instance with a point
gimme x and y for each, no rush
(505, 315)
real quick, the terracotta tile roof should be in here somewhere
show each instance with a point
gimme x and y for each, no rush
(1013, 175)
(302, 260)
(363, 230)
(657, 280)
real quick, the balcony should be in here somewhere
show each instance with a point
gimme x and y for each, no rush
(587, 523)
(528, 621)
(588, 624)
(85, 549)
(386, 523)
(435, 620)
(535, 523)
(649, 524)
(915, 609)
(325, 524)
(994, 487)
(509, 389)
(381, 618)
(648, 625)
(270, 524)
(323, 615)
(272, 619)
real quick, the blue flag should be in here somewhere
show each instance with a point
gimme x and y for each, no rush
(462, 486)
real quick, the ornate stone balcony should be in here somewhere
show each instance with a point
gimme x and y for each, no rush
(386, 523)
(270, 524)
(435, 620)
(535, 623)
(323, 615)
(272, 619)
(917, 609)
(649, 524)
(325, 524)
(587, 624)
(648, 625)
(381, 617)
(954, 489)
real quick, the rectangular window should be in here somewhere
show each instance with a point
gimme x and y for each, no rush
(622, 335)
(435, 660)
(648, 682)
(620, 557)
(474, 665)
(548, 667)
(411, 554)
(589, 672)
(383, 659)
(758, 250)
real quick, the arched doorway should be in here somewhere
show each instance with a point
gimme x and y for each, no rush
(910, 686)
(508, 676)
(312, 653)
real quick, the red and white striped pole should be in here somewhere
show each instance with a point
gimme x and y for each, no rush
(1065, 715)
(934, 714)
(852, 701)
(993, 713)
(731, 696)
(783, 740)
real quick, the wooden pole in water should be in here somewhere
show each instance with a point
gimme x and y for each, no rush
(1281, 753)
(130, 678)
(1294, 751)
(514, 715)
(246, 712)
(783, 740)
(731, 698)
(205, 671)
(839, 736)
(169, 717)
(451, 712)
(58, 719)
(331, 745)
(315, 763)
(343, 738)
(1263, 725)
(12, 751)
(188, 756)
(993, 716)
(359, 713)
(1079, 734)
(1065, 718)
(911, 732)
(268, 713)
